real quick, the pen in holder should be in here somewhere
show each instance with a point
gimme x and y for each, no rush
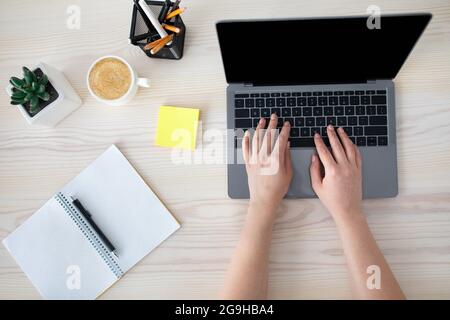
(143, 32)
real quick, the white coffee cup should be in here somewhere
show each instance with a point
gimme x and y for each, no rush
(135, 83)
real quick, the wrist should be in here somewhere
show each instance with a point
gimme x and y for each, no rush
(349, 219)
(261, 214)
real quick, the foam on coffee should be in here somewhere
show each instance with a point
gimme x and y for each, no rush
(110, 78)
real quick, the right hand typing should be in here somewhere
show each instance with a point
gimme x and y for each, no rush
(339, 185)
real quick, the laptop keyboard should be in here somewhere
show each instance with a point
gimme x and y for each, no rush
(361, 113)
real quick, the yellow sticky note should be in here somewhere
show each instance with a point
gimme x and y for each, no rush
(177, 127)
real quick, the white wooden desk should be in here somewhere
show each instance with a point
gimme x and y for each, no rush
(413, 230)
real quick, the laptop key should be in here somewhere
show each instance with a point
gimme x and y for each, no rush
(280, 122)
(249, 103)
(265, 95)
(323, 101)
(359, 92)
(360, 110)
(270, 102)
(378, 99)
(312, 101)
(381, 91)
(341, 121)
(275, 94)
(295, 132)
(243, 123)
(254, 112)
(307, 111)
(371, 110)
(241, 113)
(260, 103)
(301, 102)
(328, 111)
(343, 101)
(281, 102)
(371, 141)
(365, 99)
(296, 112)
(320, 121)
(304, 132)
(310, 121)
(331, 120)
(361, 141)
(286, 112)
(349, 111)
(352, 121)
(285, 94)
(370, 91)
(382, 141)
(363, 120)
(254, 95)
(317, 111)
(377, 120)
(381, 110)
(239, 103)
(339, 111)
(324, 132)
(241, 95)
(358, 131)
(291, 102)
(353, 139)
(265, 112)
(333, 101)
(375, 131)
(354, 100)
(349, 92)
(317, 93)
(299, 122)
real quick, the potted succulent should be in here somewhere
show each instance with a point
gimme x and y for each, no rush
(43, 95)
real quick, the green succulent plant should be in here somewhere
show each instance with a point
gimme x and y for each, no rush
(29, 89)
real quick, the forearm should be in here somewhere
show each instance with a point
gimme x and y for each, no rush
(247, 274)
(361, 251)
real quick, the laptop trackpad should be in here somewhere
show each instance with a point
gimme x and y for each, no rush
(301, 181)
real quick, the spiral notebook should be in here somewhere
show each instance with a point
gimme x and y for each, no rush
(62, 254)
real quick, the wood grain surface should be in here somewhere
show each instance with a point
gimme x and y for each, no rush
(413, 229)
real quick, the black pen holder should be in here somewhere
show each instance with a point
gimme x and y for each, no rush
(142, 32)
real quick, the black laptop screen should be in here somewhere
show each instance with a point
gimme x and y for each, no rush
(331, 50)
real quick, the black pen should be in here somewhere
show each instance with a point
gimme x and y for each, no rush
(89, 219)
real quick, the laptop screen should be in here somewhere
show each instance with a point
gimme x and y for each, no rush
(311, 51)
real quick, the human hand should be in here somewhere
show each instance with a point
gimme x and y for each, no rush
(340, 187)
(268, 165)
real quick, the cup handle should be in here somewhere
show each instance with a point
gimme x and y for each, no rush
(143, 82)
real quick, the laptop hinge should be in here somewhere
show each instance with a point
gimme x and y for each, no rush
(371, 81)
(248, 84)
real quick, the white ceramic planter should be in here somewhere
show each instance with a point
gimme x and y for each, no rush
(67, 101)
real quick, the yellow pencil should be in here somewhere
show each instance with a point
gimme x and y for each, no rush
(175, 13)
(171, 28)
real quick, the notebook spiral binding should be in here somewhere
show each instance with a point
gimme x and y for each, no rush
(90, 234)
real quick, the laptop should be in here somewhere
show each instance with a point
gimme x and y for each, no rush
(314, 72)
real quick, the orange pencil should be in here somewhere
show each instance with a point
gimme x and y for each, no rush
(171, 28)
(175, 13)
(153, 44)
(161, 44)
